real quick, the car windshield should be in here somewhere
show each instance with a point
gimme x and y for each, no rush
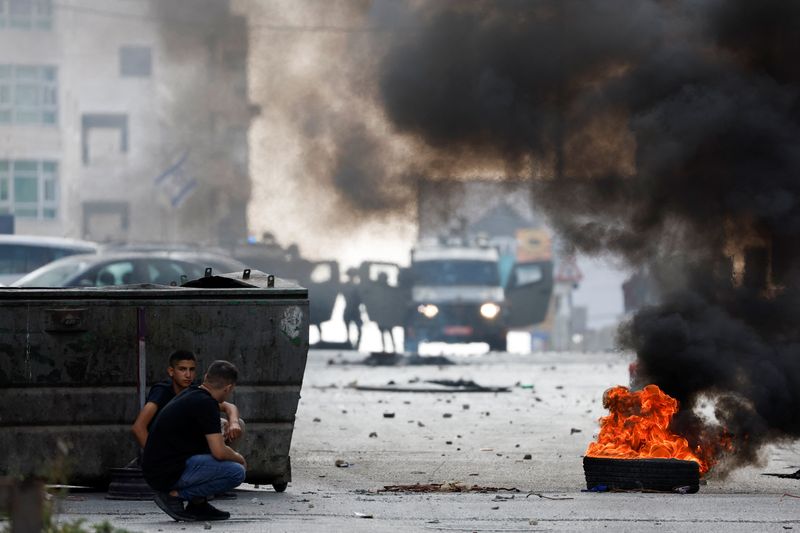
(53, 275)
(456, 273)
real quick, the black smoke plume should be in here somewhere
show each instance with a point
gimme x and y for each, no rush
(662, 131)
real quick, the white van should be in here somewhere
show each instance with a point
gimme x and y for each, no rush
(20, 254)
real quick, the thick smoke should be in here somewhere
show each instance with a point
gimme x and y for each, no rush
(662, 131)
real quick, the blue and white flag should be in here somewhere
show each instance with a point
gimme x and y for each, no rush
(176, 182)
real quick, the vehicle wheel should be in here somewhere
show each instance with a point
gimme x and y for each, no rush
(280, 487)
(664, 475)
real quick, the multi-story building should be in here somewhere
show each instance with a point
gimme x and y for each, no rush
(124, 119)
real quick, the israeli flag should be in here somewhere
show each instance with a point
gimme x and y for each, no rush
(176, 182)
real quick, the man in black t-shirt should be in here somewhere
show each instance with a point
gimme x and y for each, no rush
(182, 371)
(185, 457)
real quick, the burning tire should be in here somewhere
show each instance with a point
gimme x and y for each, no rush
(662, 475)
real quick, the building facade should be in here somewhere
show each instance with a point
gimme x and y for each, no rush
(124, 120)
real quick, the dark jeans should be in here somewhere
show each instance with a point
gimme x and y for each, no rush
(205, 476)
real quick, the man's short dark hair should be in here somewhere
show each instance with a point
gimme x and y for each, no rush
(221, 373)
(181, 355)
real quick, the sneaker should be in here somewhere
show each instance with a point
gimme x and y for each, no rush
(206, 511)
(173, 506)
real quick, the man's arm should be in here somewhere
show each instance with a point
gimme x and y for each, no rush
(234, 430)
(139, 427)
(221, 452)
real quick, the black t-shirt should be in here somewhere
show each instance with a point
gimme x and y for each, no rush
(160, 394)
(179, 432)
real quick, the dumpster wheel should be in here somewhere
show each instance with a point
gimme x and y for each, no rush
(280, 487)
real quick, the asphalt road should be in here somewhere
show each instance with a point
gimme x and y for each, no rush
(481, 439)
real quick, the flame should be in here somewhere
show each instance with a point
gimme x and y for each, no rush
(637, 428)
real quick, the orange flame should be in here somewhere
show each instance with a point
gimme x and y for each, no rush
(637, 428)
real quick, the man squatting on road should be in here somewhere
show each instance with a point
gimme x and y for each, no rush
(182, 371)
(185, 457)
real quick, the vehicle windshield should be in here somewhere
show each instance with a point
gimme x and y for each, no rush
(53, 275)
(456, 273)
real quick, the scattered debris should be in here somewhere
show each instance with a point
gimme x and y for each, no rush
(363, 515)
(450, 486)
(442, 385)
(502, 498)
(396, 359)
(487, 449)
(527, 457)
(793, 475)
(341, 463)
(465, 406)
(206, 525)
(373, 435)
(420, 424)
(388, 415)
(447, 415)
(575, 430)
(557, 498)
(496, 507)
(317, 420)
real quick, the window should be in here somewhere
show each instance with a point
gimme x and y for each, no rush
(108, 121)
(29, 189)
(26, 14)
(28, 94)
(135, 61)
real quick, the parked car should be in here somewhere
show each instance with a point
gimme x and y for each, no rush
(209, 256)
(21, 254)
(102, 270)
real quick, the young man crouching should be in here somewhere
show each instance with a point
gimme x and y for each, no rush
(185, 457)
(182, 371)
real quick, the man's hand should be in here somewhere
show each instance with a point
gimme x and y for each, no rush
(233, 431)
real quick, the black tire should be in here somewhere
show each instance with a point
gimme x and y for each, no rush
(663, 475)
(280, 487)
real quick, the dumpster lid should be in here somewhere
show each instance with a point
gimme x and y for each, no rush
(233, 280)
(246, 284)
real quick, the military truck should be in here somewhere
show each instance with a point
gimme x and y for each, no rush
(459, 290)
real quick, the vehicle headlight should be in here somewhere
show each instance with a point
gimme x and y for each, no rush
(490, 310)
(429, 310)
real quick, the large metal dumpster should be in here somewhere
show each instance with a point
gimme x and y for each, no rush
(70, 367)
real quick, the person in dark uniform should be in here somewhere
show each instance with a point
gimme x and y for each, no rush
(352, 309)
(185, 457)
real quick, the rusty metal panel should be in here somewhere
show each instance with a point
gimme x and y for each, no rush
(69, 369)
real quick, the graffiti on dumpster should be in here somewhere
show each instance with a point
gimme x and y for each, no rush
(290, 324)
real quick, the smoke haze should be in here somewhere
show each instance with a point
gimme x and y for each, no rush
(665, 132)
